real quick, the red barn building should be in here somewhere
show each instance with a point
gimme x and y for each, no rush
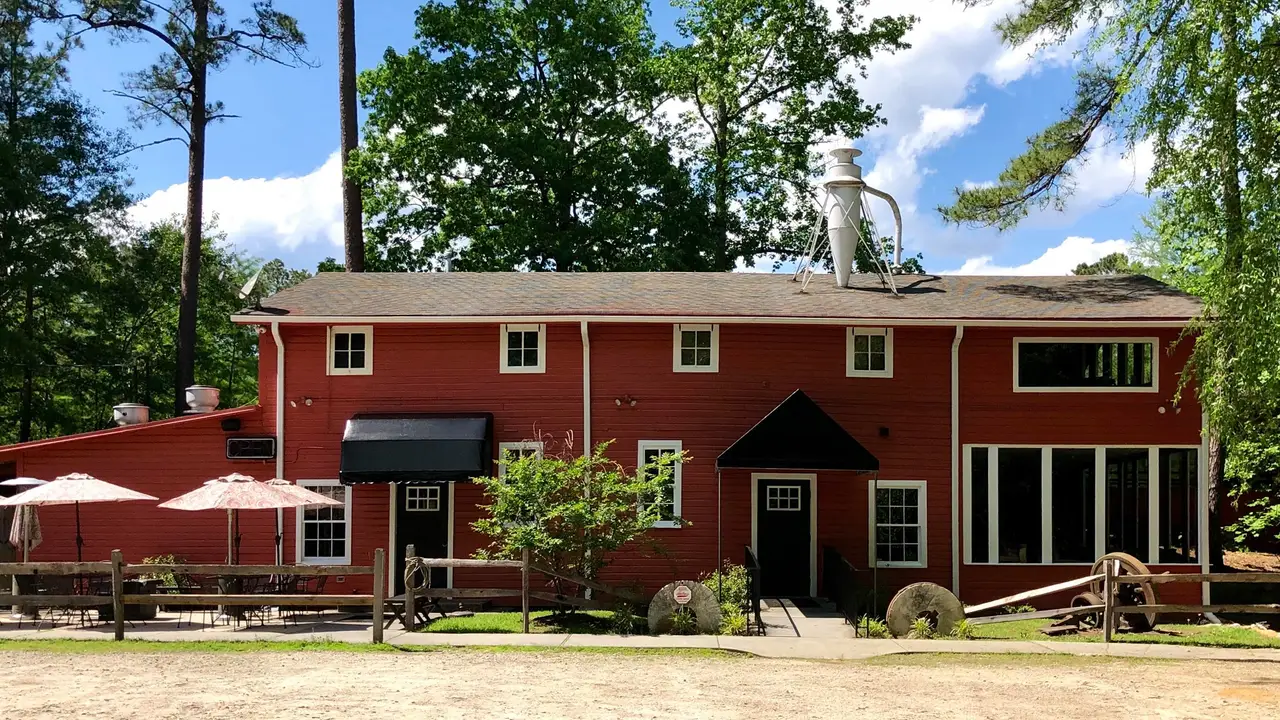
(989, 434)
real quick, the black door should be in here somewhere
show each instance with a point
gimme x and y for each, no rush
(782, 537)
(422, 519)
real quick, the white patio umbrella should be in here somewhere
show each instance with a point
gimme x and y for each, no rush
(75, 488)
(24, 533)
(236, 492)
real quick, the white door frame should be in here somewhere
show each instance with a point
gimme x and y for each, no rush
(394, 553)
(812, 479)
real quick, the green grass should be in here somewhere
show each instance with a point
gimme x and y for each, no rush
(593, 622)
(1199, 635)
(63, 645)
(1012, 660)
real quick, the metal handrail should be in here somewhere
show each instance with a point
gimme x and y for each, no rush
(839, 584)
(753, 586)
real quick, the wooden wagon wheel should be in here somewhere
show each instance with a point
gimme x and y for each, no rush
(1128, 594)
(1090, 618)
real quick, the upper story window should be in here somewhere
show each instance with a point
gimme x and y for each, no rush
(351, 350)
(869, 352)
(1085, 365)
(524, 349)
(669, 502)
(697, 348)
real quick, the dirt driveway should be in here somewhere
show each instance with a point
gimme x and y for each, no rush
(482, 684)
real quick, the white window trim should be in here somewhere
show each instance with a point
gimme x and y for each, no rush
(1046, 507)
(676, 365)
(426, 498)
(514, 447)
(541, 367)
(299, 512)
(1155, 366)
(852, 332)
(923, 511)
(665, 446)
(368, 350)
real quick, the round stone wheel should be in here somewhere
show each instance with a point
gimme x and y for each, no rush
(1129, 593)
(923, 599)
(703, 604)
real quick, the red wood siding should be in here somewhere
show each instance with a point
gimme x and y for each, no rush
(164, 461)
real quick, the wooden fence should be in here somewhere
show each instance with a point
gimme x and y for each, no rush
(118, 570)
(1111, 608)
(414, 564)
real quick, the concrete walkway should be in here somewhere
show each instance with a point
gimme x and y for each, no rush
(811, 648)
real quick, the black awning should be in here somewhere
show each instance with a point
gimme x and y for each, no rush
(416, 448)
(798, 435)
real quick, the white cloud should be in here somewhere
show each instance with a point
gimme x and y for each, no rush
(1059, 260)
(262, 214)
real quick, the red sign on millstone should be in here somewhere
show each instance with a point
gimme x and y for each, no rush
(682, 594)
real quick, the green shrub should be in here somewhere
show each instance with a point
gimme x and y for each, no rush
(684, 622)
(624, 620)
(1015, 609)
(962, 630)
(921, 629)
(873, 627)
(733, 623)
(164, 578)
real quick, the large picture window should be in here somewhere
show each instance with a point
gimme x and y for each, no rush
(1063, 504)
(324, 533)
(1101, 365)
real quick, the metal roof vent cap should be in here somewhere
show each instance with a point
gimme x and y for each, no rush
(202, 399)
(131, 414)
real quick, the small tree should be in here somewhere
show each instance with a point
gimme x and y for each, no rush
(572, 512)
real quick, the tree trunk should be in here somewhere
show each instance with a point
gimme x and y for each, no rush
(27, 409)
(191, 245)
(352, 206)
(720, 221)
(1227, 133)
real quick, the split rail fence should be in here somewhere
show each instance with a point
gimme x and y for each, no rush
(118, 599)
(1111, 608)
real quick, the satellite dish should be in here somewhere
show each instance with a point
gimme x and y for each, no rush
(249, 286)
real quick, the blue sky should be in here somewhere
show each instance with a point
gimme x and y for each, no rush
(958, 106)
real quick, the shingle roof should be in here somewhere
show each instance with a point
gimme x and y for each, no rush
(726, 295)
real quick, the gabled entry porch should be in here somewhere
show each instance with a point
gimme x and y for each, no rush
(795, 450)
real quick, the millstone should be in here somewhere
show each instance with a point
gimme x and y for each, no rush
(927, 600)
(703, 604)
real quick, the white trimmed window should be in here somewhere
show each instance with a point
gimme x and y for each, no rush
(868, 352)
(350, 349)
(510, 451)
(898, 525)
(696, 348)
(1075, 365)
(524, 349)
(785, 498)
(1071, 504)
(422, 498)
(324, 533)
(669, 503)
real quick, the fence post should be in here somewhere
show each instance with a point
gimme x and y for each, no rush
(379, 592)
(1108, 604)
(410, 603)
(117, 592)
(524, 588)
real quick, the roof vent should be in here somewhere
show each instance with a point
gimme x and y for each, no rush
(848, 220)
(131, 414)
(202, 399)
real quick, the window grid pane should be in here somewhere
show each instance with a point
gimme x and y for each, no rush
(870, 351)
(897, 535)
(324, 529)
(695, 348)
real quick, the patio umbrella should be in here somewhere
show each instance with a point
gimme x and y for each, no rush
(75, 488)
(236, 492)
(24, 533)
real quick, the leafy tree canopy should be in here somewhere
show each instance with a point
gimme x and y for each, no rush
(1116, 263)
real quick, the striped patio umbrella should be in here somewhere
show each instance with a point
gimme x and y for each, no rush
(236, 492)
(75, 488)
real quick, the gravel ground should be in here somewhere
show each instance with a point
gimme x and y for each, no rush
(481, 684)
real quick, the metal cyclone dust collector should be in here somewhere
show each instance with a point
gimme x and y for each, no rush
(844, 206)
